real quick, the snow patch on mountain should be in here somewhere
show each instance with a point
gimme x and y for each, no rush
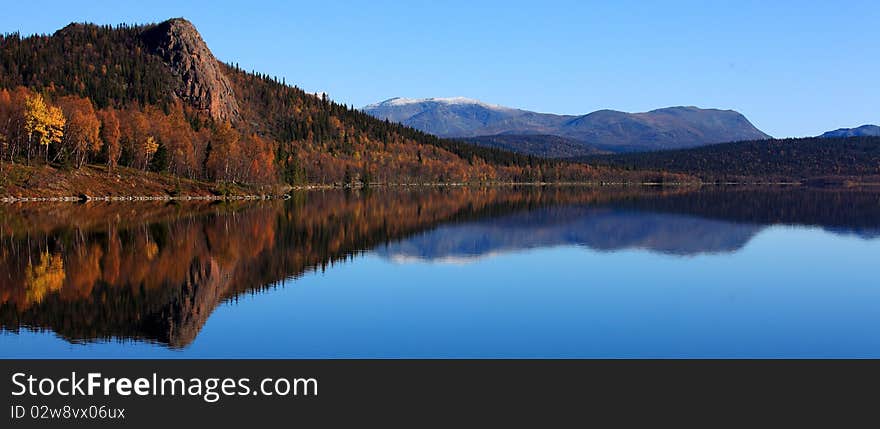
(401, 101)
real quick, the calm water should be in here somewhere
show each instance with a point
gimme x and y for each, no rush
(499, 272)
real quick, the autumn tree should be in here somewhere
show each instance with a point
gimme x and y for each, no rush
(258, 161)
(110, 135)
(44, 124)
(178, 140)
(224, 151)
(150, 146)
(6, 112)
(12, 121)
(138, 145)
(82, 130)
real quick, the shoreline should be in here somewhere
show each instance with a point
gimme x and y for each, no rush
(140, 198)
(324, 187)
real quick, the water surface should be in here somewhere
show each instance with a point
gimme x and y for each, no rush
(458, 272)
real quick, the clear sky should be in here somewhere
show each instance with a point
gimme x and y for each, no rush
(793, 67)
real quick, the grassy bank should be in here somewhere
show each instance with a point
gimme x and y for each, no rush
(96, 182)
(41, 183)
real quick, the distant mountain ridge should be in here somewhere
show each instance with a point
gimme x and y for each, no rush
(667, 128)
(862, 131)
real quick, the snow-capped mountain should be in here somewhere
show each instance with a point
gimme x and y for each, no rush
(669, 128)
(445, 117)
(401, 101)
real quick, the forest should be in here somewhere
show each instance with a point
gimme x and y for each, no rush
(794, 159)
(101, 95)
(70, 132)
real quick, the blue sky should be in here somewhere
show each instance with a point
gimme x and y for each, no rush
(792, 67)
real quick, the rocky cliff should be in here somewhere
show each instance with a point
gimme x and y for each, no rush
(201, 81)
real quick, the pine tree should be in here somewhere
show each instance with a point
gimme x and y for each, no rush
(159, 162)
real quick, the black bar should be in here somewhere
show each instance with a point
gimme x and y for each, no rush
(416, 393)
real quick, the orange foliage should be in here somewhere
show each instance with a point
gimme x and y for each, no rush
(82, 131)
(110, 135)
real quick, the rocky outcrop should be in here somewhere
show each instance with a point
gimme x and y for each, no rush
(202, 83)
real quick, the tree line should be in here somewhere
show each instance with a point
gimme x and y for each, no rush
(774, 159)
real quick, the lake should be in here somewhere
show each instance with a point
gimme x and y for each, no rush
(430, 272)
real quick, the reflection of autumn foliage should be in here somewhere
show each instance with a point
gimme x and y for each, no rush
(156, 271)
(84, 270)
(45, 277)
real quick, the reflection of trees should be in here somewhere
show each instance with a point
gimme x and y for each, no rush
(155, 272)
(45, 277)
(121, 276)
(846, 209)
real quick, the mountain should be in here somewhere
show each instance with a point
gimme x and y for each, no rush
(864, 130)
(543, 145)
(464, 117)
(154, 98)
(669, 128)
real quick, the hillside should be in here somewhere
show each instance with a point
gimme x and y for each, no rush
(542, 145)
(669, 128)
(804, 159)
(864, 130)
(154, 98)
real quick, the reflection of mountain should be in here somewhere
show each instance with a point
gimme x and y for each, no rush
(866, 234)
(155, 272)
(597, 228)
(709, 221)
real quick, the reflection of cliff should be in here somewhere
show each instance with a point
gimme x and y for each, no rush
(153, 281)
(155, 272)
(179, 322)
(597, 228)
